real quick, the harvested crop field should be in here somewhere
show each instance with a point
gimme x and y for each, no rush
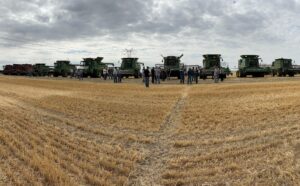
(64, 132)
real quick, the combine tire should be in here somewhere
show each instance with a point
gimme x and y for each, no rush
(242, 74)
(291, 75)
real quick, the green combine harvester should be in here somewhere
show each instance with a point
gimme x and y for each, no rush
(249, 65)
(93, 67)
(284, 67)
(131, 67)
(210, 62)
(171, 66)
(63, 68)
(41, 69)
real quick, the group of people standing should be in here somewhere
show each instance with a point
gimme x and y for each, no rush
(193, 74)
(117, 76)
(107, 73)
(154, 73)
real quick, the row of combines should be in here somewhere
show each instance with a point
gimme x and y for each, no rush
(90, 67)
(250, 65)
(170, 67)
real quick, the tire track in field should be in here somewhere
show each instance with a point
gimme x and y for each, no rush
(151, 168)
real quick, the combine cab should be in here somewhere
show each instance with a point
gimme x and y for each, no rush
(40, 69)
(63, 68)
(210, 62)
(283, 67)
(131, 67)
(93, 67)
(249, 65)
(172, 66)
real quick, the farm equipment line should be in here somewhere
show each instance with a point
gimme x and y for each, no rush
(151, 168)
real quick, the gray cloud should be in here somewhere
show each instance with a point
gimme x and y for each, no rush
(69, 27)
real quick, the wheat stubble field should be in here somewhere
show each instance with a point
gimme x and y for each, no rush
(62, 132)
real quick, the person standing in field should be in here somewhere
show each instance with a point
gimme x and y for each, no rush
(181, 74)
(79, 74)
(147, 76)
(190, 76)
(193, 74)
(216, 74)
(196, 75)
(119, 76)
(221, 74)
(153, 75)
(143, 75)
(115, 75)
(110, 73)
(157, 75)
(104, 72)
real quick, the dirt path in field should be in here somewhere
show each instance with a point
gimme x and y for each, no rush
(149, 171)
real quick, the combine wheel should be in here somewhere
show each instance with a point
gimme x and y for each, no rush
(259, 75)
(242, 74)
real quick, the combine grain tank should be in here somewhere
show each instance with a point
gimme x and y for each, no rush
(249, 65)
(41, 69)
(210, 62)
(63, 68)
(172, 66)
(283, 67)
(131, 67)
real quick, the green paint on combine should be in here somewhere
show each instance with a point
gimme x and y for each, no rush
(41, 69)
(210, 62)
(283, 67)
(93, 67)
(131, 67)
(63, 68)
(249, 65)
(171, 67)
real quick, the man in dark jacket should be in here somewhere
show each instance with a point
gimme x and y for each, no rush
(190, 76)
(153, 75)
(182, 75)
(147, 76)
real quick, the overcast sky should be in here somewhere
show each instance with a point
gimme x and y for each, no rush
(34, 31)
